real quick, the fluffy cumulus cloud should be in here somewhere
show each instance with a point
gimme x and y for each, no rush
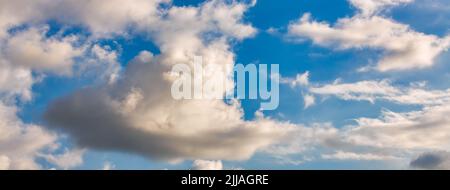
(403, 47)
(27, 54)
(20, 143)
(31, 49)
(299, 80)
(15, 82)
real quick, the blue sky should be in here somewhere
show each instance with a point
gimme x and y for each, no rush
(347, 119)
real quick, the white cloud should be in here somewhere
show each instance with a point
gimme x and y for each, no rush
(308, 100)
(15, 13)
(31, 49)
(403, 47)
(103, 19)
(67, 160)
(15, 82)
(207, 165)
(299, 80)
(107, 18)
(100, 62)
(304, 139)
(362, 90)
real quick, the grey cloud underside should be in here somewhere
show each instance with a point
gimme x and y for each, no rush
(432, 160)
(106, 130)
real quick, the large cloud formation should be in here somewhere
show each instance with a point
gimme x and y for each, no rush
(137, 113)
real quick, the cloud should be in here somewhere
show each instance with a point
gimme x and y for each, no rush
(299, 80)
(106, 19)
(303, 140)
(15, 81)
(207, 165)
(362, 90)
(31, 49)
(19, 12)
(432, 160)
(415, 94)
(26, 54)
(308, 100)
(21, 144)
(67, 160)
(403, 47)
(155, 125)
(424, 129)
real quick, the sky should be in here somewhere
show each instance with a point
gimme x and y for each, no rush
(87, 84)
